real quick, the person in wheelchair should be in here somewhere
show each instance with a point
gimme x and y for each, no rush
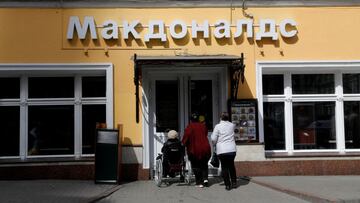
(173, 155)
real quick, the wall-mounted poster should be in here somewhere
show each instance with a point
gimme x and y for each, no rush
(243, 113)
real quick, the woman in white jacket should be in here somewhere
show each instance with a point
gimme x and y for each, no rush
(223, 137)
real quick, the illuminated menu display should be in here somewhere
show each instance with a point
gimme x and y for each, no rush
(244, 116)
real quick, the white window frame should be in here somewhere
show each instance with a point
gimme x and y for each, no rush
(76, 70)
(287, 68)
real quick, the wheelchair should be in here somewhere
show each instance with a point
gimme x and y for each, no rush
(181, 167)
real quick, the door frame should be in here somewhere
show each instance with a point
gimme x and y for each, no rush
(150, 72)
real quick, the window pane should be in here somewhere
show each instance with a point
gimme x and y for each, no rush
(51, 87)
(9, 88)
(51, 130)
(274, 126)
(313, 84)
(10, 130)
(314, 125)
(201, 100)
(273, 84)
(352, 124)
(351, 83)
(94, 86)
(92, 115)
(167, 105)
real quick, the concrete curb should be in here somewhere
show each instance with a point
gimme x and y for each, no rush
(299, 194)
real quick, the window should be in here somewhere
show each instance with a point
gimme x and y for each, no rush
(352, 124)
(10, 130)
(51, 130)
(167, 107)
(351, 83)
(351, 110)
(312, 83)
(273, 84)
(92, 115)
(310, 107)
(94, 86)
(53, 115)
(9, 88)
(274, 126)
(51, 87)
(314, 125)
(201, 100)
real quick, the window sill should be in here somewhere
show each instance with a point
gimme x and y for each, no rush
(310, 154)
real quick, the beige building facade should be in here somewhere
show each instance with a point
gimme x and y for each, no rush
(67, 68)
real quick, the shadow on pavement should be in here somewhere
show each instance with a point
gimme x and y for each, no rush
(242, 180)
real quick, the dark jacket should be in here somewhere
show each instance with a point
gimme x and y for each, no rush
(173, 150)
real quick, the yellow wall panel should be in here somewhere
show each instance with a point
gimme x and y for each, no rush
(39, 36)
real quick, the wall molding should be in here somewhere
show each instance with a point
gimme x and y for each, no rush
(175, 4)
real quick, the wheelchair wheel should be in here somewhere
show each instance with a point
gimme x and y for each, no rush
(158, 172)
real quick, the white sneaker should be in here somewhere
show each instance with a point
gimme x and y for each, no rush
(200, 186)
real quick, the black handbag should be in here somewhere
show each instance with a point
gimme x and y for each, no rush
(214, 160)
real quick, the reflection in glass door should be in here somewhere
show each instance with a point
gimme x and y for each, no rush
(167, 105)
(201, 101)
(176, 100)
(166, 111)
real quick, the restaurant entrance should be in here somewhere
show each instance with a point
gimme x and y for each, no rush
(173, 95)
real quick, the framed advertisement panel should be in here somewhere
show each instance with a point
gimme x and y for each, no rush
(244, 114)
